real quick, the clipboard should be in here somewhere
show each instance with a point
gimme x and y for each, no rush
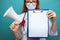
(37, 24)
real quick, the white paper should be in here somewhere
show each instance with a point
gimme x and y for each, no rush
(38, 24)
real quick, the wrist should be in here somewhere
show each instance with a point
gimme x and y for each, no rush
(15, 31)
(53, 19)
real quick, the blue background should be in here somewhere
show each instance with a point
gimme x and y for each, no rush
(7, 34)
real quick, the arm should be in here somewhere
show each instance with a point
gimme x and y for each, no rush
(17, 35)
(14, 27)
(53, 28)
(52, 16)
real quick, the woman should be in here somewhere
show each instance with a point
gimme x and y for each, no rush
(17, 29)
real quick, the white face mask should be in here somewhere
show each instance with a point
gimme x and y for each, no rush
(31, 5)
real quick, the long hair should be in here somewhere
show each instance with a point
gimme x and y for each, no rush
(25, 8)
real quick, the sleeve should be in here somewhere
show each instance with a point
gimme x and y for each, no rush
(20, 33)
(25, 26)
(50, 31)
(20, 28)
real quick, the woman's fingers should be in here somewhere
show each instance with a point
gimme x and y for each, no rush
(14, 25)
(51, 14)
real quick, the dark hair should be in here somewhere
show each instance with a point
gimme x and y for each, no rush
(25, 8)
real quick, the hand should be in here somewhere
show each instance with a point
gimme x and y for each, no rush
(14, 26)
(51, 15)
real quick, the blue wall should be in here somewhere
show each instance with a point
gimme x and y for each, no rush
(7, 34)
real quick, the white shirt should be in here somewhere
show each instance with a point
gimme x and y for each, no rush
(24, 30)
